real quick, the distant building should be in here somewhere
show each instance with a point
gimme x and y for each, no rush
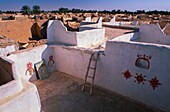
(7, 45)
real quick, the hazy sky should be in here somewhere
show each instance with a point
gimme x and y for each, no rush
(131, 5)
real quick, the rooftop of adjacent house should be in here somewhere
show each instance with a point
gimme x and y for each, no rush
(112, 33)
(62, 93)
(4, 41)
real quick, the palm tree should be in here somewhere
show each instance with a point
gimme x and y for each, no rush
(26, 9)
(36, 9)
(63, 10)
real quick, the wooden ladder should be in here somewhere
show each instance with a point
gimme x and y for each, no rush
(94, 57)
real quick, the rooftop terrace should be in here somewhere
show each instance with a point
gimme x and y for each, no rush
(62, 93)
(131, 69)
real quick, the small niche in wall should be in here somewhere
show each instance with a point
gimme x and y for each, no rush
(143, 61)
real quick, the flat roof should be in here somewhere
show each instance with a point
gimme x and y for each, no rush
(62, 93)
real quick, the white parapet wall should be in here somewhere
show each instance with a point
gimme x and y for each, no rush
(114, 22)
(128, 37)
(16, 94)
(152, 33)
(71, 60)
(133, 69)
(27, 100)
(10, 83)
(148, 33)
(118, 23)
(121, 24)
(137, 70)
(8, 49)
(89, 38)
(88, 19)
(57, 33)
(25, 59)
(91, 25)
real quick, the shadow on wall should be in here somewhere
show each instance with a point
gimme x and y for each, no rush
(35, 31)
(87, 28)
(44, 65)
(39, 32)
(44, 29)
(49, 58)
(5, 72)
(69, 28)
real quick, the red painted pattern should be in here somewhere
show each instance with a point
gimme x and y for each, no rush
(127, 74)
(145, 58)
(29, 65)
(154, 82)
(30, 69)
(139, 78)
(51, 61)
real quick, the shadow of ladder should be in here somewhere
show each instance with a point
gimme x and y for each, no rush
(94, 57)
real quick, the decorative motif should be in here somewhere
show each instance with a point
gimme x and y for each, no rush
(29, 65)
(143, 61)
(140, 78)
(154, 82)
(30, 69)
(127, 74)
(51, 61)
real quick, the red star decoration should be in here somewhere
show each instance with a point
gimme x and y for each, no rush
(140, 78)
(154, 83)
(29, 65)
(127, 74)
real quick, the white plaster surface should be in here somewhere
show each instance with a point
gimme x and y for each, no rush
(148, 33)
(152, 33)
(135, 22)
(121, 56)
(91, 25)
(88, 38)
(32, 55)
(57, 33)
(6, 50)
(18, 95)
(11, 87)
(120, 23)
(113, 22)
(128, 37)
(166, 29)
(27, 100)
(88, 19)
(71, 61)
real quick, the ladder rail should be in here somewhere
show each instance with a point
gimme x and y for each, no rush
(88, 68)
(94, 72)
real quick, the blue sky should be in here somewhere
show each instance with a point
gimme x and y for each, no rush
(131, 5)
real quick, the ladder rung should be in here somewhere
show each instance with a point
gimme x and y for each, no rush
(87, 84)
(94, 59)
(90, 77)
(91, 67)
